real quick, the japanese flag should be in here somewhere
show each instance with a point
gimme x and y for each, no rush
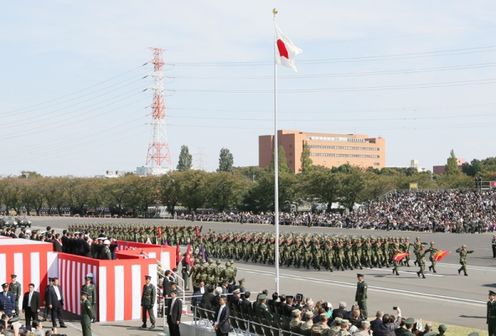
(286, 50)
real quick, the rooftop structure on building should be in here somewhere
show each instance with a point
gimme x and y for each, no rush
(326, 149)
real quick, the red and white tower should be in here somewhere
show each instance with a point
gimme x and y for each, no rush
(158, 159)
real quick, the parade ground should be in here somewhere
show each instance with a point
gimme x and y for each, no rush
(445, 297)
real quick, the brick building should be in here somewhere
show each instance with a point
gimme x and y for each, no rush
(326, 149)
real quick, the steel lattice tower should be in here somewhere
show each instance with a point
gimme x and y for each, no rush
(158, 156)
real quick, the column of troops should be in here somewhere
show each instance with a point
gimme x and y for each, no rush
(154, 234)
(318, 251)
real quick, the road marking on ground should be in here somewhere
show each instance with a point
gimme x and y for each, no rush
(404, 271)
(402, 292)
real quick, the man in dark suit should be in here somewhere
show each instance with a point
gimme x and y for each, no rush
(31, 305)
(55, 302)
(221, 319)
(174, 314)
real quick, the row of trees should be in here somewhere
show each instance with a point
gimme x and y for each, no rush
(185, 162)
(247, 188)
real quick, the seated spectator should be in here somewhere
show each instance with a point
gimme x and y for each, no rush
(406, 329)
(296, 321)
(364, 329)
(320, 327)
(308, 324)
(345, 326)
(442, 329)
(355, 318)
(335, 327)
(341, 311)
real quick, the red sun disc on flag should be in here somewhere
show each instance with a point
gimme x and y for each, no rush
(283, 52)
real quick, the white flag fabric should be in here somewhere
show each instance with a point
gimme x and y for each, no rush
(286, 50)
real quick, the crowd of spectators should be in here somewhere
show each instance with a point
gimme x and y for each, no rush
(12, 326)
(304, 316)
(428, 210)
(79, 243)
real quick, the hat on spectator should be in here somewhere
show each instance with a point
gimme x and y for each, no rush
(442, 328)
(106, 242)
(410, 321)
(492, 292)
(345, 322)
(262, 296)
(296, 313)
(359, 275)
(337, 320)
(5, 285)
(148, 277)
(237, 291)
(89, 275)
(13, 276)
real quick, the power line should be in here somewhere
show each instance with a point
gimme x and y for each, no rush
(421, 54)
(428, 85)
(351, 74)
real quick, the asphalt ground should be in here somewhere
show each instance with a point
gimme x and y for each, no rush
(444, 297)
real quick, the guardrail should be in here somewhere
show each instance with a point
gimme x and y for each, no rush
(204, 318)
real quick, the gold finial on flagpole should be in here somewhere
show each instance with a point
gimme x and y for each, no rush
(275, 11)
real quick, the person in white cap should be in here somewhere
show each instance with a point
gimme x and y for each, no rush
(90, 290)
(106, 254)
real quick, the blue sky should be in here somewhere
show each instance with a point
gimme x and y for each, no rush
(421, 74)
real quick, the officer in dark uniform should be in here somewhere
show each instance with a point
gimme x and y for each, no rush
(491, 314)
(7, 301)
(148, 301)
(493, 244)
(15, 289)
(361, 295)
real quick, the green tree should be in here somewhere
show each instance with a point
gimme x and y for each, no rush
(452, 164)
(226, 160)
(321, 185)
(170, 188)
(225, 190)
(306, 161)
(283, 161)
(185, 159)
(193, 191)
(351, 186)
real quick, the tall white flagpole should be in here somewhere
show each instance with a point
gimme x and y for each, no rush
(276, 161)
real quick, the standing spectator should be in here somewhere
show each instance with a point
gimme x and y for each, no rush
(7, 301)
(16, 290)
(148, 301)
(86, 314)
(55, 302)
(174, 314)
(31, 305)
(361, 295)
(221, 319)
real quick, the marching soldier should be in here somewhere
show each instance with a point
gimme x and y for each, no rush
(462, 251)
(361, 295)
(90, 290)
(148, 297)
(432, 250)
(421, 260)
(493, 245)
(86, 314)
(15, 289)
